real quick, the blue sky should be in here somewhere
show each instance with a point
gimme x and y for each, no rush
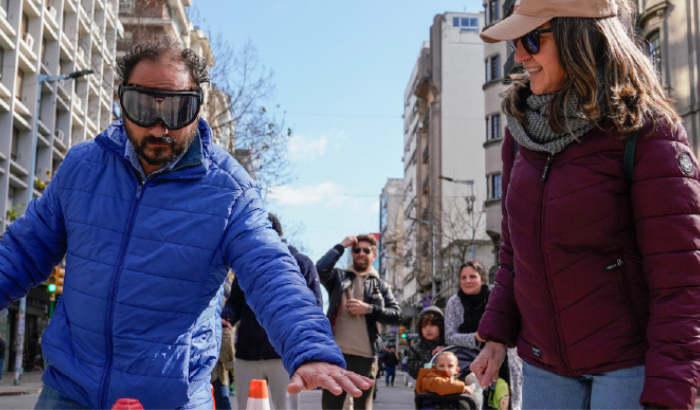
(341, 70)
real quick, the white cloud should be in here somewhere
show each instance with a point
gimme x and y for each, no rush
(329, 192)
(302, 148)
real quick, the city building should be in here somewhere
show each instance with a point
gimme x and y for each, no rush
(43, 112)
(672, 31)
(498, 63)
(444, 188)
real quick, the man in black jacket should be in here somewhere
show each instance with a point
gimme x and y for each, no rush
(358, 301)
(255, 356)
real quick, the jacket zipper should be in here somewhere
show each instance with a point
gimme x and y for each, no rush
(113, 286)
(558, 345)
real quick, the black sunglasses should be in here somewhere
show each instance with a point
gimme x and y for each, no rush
(531, 40)
(367, 251)
(147, 107)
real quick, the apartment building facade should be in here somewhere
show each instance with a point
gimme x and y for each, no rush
(444, 223)
(498, 62)
(672, 31)
(42, 116)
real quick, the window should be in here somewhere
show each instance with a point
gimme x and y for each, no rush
(492, 12)
(495, 186)
(466, 23)
(24, 24)
(18, 84)
(495, 126)
(654, 41)
(493, 68)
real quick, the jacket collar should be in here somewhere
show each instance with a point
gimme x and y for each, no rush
(194, 163)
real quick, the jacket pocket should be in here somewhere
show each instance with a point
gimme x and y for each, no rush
(618, 268)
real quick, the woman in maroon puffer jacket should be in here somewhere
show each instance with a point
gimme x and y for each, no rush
(599, 282)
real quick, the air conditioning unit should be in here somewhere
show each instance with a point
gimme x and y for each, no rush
(60, 134)
(78, 101)
(52, 11)
(28, 39)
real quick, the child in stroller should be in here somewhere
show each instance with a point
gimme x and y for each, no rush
(438, 387)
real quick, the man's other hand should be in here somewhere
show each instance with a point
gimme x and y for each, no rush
(225, 323)
(312, 375)
(488, 362)
(349, 241)
(357, 307)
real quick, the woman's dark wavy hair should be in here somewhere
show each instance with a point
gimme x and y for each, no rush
(588, 47)
(158, 49)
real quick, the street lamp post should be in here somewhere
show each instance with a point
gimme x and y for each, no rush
(21, 313)
(470, 205)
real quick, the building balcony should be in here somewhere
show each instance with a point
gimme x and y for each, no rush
(58, 155)
(67, 49)
(83, 18)
(32, 8)
(78, 119)
(51, 15)
(17, 183)
(50, 32)
(22, 109)
(59, 140)
(5, 25)
(5, 94)
(71, 6)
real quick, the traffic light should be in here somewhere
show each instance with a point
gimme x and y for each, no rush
(55, 282)
(402, 332)
(60, 273)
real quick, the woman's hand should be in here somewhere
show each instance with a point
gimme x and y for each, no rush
(478, 338)
(488, 362)
(437, 349)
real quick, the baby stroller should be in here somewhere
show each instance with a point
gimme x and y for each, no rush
(450, 401)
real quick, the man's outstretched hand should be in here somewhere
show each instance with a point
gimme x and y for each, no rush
(328, 376)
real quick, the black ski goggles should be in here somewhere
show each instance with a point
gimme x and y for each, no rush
(531, 40)
(147, 107)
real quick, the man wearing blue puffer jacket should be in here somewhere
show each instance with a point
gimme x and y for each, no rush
(150, 215)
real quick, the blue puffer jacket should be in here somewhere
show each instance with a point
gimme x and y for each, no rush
(145, 262)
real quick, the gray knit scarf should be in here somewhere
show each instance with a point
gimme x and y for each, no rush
(537, 135)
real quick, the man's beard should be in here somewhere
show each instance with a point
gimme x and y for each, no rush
(360, 266)
(157, 158)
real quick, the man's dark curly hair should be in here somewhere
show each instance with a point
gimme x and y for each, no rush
(156, 50)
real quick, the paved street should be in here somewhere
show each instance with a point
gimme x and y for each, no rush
(25, 395)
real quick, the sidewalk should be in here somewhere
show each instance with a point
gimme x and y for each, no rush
(31, 384)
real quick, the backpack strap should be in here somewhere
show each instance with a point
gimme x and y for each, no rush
(630, 147)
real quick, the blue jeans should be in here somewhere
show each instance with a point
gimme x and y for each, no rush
(618, 389)
(50, 399)
(390, 375)
(221, 399)
(2, 364)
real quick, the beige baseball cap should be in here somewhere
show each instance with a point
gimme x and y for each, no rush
(530, 14)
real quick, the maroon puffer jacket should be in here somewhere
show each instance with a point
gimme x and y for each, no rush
(598, 274)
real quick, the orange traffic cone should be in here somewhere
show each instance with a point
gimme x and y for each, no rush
(257, 396)
(127, 404)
